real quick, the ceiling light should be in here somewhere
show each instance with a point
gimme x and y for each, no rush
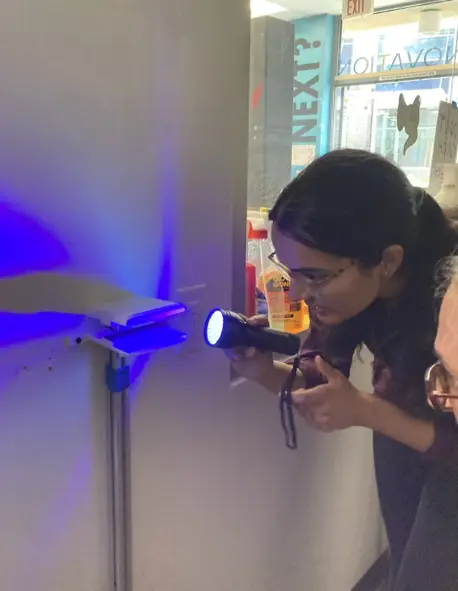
(265, 8)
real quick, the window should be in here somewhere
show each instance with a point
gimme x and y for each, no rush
(379, 64)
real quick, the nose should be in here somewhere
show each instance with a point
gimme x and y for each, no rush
(298, 291)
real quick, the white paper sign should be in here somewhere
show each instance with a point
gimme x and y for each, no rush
(445, 144)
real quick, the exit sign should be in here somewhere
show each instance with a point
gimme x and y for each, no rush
(354, 8)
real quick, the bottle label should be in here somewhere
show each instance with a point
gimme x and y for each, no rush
(284, 314)
(261, 303)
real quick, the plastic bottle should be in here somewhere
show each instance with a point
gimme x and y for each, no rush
(259, 218)
(258, 250)
(272, 289)
(250, 289)
(284, 314)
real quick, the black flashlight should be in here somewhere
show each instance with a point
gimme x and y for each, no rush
(225, 330)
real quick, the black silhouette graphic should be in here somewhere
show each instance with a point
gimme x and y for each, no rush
(408, 119)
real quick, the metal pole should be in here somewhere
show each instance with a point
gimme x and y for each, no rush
(120, 481)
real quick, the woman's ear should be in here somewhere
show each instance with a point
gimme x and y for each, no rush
(392, 258)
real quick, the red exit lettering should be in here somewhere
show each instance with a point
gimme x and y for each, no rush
(355, 7)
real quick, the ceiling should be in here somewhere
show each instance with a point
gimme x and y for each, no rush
(293, 9)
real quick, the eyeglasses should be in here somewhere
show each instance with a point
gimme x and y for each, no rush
(439, 386)
(314, 284)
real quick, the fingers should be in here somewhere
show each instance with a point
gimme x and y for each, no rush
(312, 397)
(240, 353)
(317, 419)
(261, 321)
(247, 353)
(313, 406)
(318, 405)
(327, 371)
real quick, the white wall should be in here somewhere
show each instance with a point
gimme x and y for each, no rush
(221, 503)
(53, 493)
(123, 133)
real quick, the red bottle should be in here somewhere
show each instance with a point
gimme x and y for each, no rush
(250, 290)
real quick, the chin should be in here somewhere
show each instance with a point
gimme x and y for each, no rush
(330, 319)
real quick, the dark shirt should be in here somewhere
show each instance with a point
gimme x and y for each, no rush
(411, 396)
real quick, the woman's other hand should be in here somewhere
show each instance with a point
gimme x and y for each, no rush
(332, 406)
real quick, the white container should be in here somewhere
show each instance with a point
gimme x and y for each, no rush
(448, 195)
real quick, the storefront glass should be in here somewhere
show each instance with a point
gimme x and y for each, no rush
(291, 91)
(382, 65)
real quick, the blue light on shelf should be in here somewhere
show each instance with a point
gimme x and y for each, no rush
(152, 316)
(146, 339)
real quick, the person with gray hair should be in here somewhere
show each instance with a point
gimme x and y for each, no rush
(443, 379)
(428, 566)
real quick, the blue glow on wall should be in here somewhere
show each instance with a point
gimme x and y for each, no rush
(27, 245)
(23, 328)
(31, 247)
(167, 198)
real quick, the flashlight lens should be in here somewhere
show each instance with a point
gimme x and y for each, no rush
(215, 327)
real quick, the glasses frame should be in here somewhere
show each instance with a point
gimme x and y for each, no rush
(312, 284)
(437, 399)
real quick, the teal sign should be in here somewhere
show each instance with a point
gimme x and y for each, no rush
(314, 46)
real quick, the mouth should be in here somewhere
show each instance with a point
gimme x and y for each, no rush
(324, 315)
(314, 306)
(318, 310)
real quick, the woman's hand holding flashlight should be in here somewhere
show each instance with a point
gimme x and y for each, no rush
(248, 361)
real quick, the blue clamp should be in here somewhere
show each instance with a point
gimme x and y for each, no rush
(117, 380)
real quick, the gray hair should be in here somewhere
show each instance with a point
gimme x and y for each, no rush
(453, 269)
(447, 274)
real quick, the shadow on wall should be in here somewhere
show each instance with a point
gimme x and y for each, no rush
(28, 246)
(167, 193)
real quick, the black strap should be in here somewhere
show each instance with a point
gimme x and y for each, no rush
(286, 408)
